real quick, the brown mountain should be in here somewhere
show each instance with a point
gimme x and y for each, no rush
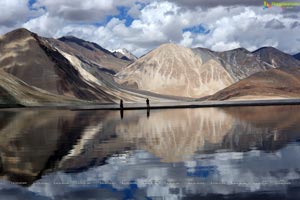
(241, 63)
(61, 69)
(274, 83)
(15, 93)
(78, 69)
(91, 53)
(33, 60)
(276, 58)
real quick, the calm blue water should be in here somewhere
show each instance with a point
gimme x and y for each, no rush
(207, 153)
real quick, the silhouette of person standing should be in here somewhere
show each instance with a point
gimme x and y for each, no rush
(121, 109)
(121, 104)
(148, 103)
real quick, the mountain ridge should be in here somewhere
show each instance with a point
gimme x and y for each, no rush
(82, 70)
(148, 74)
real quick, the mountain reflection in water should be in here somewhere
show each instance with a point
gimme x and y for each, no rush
(235, 153)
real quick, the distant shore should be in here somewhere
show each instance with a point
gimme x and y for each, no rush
(168, 105)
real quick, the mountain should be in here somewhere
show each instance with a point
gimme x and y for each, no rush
(175, 70)
(91, 53)
(297, 56)
(15, 93)
(71, 69)
(179, 71)
(281, 81)
(276, 58)
(33, 60)
(241, 63)
(65, 68)
(273, 83)
(125, 54)
(199, 72)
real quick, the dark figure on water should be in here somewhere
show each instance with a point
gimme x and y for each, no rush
(121, 113)
(148, 103)
(148, 113)
(121, 109)
(121, 104)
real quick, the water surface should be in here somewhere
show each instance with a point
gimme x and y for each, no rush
(207, 153)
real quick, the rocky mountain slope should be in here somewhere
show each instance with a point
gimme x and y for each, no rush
(15, 93)
(276, 58)
(34, 61)
(125, 55)
(241, 63)
(65, 68)
(175, 70)
(91, 53)
(71, 68)
(199, 72)
(281, 81)
(274, 83)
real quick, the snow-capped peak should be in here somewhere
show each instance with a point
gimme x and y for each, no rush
(126, 53)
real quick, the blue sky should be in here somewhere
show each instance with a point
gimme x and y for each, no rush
(141, 25)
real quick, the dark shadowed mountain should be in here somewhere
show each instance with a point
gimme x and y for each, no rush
(276, 58)
(241, 63)
(297, 56)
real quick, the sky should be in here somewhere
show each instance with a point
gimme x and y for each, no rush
(142, 25)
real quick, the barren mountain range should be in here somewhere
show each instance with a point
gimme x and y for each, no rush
(44, 71)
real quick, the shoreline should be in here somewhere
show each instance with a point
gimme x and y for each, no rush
(166, 105)
(193, 104)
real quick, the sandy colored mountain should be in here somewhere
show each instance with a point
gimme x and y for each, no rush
(175, 70)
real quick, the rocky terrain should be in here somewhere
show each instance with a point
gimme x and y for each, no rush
(40, 70)
(125, 55)
(274, 83)
(199, 72)
(276, 58)
(15, 93)
(69, 67)
(241, 63)
(91, 53)
(33, 60)
(175, 70)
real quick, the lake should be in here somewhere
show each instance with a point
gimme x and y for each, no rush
(205, 153)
